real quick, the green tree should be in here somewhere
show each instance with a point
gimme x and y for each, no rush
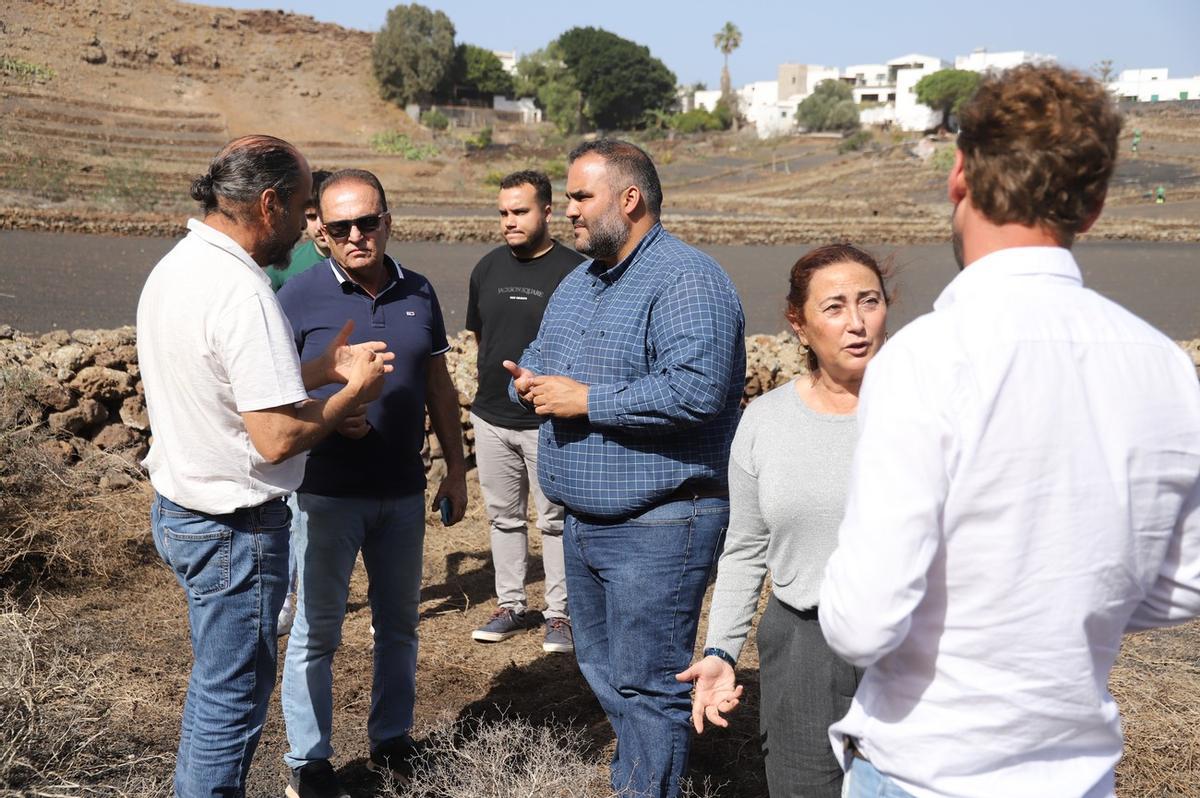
(946, 90)
(475, 72)
(830, 107)
(412, 53)
(544, 76)
(619, 80)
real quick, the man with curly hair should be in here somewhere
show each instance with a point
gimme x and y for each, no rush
(1026, 488)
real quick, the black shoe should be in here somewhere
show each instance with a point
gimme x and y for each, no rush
(315, 780)
(394, 759)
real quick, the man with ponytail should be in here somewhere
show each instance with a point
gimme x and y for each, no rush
(228, 403)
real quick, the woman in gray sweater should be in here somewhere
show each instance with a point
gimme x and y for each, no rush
(788, 472)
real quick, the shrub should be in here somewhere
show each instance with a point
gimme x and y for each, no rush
(493, 178)
(435, 119)
(555, 170)
(696, 121)
(396, 143)
(854, 142)
(481, 140)
(20, 68)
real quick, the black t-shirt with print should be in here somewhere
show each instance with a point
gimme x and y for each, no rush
(507, 299)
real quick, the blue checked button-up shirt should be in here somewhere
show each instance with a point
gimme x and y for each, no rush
(659, 338)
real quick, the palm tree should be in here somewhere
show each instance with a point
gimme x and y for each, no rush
(728, 39)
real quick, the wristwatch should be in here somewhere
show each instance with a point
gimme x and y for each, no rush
(722, 653)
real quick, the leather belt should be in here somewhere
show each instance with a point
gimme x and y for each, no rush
(687, 493)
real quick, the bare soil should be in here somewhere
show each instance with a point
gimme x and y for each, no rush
(132, 632)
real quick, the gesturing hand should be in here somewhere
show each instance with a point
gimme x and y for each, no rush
(339, 355)
(716, 691)
(558, 396)
(522, 380)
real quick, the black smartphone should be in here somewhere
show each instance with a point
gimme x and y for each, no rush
(447, 510)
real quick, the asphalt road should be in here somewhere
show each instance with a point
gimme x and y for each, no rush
(67, 281)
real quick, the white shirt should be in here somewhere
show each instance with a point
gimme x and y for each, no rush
(213, 343)
(1025, 491)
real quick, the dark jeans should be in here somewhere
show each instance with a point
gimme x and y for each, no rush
(233, 570)
(634, 590)
(806, 688)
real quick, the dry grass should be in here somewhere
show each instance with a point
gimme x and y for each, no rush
(55, 525)
(1156, 682)
(509, 757)
(55, 738)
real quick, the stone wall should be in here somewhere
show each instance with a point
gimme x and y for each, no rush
(89, 389)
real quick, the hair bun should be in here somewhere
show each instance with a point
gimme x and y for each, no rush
(202, 189)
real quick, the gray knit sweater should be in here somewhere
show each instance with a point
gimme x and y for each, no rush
(788, 472)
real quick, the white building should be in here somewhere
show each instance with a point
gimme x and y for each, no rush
(528, 110)
(980, 60)
(905, 73)
(508, 60)
(1154, 85)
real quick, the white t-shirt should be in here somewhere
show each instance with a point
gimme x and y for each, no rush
(1026, 489)
(213, 343)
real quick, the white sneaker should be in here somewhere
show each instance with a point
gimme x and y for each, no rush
(287, 615)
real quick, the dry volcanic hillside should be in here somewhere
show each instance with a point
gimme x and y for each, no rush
(106, 98)
(109, 107)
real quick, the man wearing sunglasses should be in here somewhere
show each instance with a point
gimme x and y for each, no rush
(364, 488)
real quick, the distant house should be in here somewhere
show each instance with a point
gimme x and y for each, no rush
(1154, 85)
(980, 60)
(508, 60)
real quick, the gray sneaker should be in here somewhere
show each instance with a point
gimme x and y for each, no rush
(504, 623)
(559, 639)
(317, 779)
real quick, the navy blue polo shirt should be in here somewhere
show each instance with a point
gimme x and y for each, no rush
(406, 316)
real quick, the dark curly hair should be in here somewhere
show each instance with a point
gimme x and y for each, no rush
(1039, 145)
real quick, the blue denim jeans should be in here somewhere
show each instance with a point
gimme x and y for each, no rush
(634, 589)
(864, 781)
(390, 532)
(233, 570)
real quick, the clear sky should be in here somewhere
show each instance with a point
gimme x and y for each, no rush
(1132, 33)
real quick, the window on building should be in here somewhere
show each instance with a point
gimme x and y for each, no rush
(1183, 95)
(1153, 98)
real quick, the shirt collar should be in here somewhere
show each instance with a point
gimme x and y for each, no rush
(1052, 262)
(612, 275)
(214, 237)
(393, 268)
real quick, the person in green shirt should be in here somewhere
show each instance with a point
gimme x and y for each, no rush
(312, 248)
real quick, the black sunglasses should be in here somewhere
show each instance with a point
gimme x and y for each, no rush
(365, 224)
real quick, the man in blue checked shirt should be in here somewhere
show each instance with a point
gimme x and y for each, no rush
(638, 369)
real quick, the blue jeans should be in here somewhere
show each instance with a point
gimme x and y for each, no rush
(864, 781)
(233, 570)
(390, 532)
(634, 589)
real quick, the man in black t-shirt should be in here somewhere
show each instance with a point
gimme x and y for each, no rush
(510, 287)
